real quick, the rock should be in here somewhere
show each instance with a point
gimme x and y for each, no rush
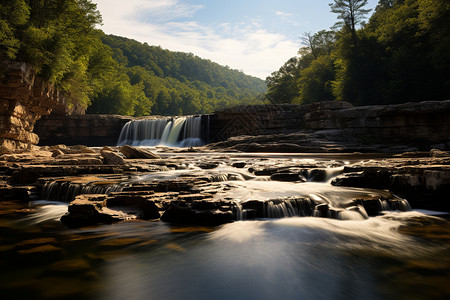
(424, 182)
(90, 209)
(107, 148)
(86, 129)
(57, 152)
(287, 176)
(201, 213)
(139, 205)
(439, 153)
(20, 193)
(133, 152)
(111, 158)
(239, 164)
(77, 160)
(24, 98)
(209, 165)
(79, 149)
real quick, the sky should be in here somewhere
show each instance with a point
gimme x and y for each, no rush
(254, 36)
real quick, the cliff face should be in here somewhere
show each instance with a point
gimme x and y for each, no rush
(89, 130)
(24, 98)
(422, 125)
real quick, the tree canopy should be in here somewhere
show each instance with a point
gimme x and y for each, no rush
(399, 55)
(110, 74)
(57, 37)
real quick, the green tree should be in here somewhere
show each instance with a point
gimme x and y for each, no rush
(13, 15)
(351, 13)
(282, 84)
(315, 82)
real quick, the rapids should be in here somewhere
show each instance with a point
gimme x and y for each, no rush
(283, 255)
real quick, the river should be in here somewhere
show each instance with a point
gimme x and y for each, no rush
(396, 255)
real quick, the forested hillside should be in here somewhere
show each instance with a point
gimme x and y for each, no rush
(109, 74)
(400, 54)
(172, 83)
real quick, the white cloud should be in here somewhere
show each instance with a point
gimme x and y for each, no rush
(288, 18)
(283, 14)
(245, 46)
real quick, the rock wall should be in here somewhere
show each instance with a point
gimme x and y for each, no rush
(264, 119)
(89, 130)
(24, 98)
(424, 124)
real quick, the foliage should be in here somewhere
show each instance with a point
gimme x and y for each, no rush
(114, 74)
(57, 37)
(399, 55)
(172, 83)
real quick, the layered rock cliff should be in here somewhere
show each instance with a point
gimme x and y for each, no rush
(24, 98)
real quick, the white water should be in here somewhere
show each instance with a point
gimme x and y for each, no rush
(67, 191)
(178, 132)
(44, 211)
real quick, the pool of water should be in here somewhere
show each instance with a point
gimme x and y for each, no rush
(398, 255)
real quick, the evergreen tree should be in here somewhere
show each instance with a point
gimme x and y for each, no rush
(352, 13)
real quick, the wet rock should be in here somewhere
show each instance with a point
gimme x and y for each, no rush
(138, 205)
(133, 152)
(208, 165)
(201, 213)
(192, 197)
(94, 209)
(322, 211)
(317, 175)
(21, 193)
(377, 178)
(287, 176)
(239, 164)
(372, 206)
(88, 210)
(111, 158)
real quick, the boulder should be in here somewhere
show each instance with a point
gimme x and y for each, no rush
(112, 158)
(91, 209)
(133, 152)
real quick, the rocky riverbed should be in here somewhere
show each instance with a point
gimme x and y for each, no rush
(206, 186)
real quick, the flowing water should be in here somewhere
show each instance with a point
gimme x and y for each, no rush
(174, 132)
(396, 255)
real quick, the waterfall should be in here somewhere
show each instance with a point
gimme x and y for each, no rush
(174, 132)
(67, 191)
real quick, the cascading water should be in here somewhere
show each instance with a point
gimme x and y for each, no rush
(67, 191)
(176, 132)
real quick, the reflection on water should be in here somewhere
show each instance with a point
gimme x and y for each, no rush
(395, 256)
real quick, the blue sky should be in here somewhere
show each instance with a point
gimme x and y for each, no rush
(254, 36)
